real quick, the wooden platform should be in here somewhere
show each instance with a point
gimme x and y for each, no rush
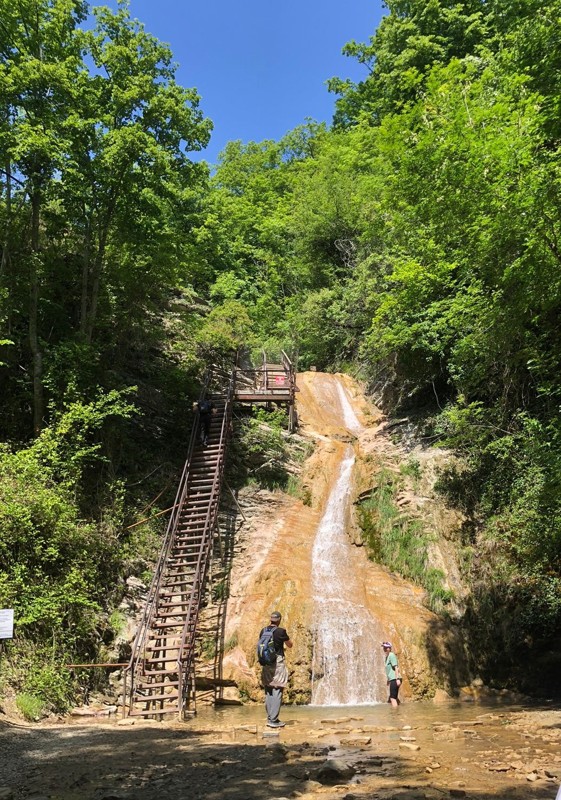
(269, 383)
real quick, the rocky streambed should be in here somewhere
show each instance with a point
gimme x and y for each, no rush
(421, 751)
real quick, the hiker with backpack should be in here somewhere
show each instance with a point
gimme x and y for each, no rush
(274, 673)
(206, 409)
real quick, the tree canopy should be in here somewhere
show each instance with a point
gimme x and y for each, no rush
(417, 238)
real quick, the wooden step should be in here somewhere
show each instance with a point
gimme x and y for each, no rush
(158, 626)
(181, 578)
(156, 685)
(163, 659)
(161, 698)
(179, 614)
(156, 699)
(163, 671)
(152, 712)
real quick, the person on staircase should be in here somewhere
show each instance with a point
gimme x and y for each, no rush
(393, 675)
(206, 409)
(274, 677)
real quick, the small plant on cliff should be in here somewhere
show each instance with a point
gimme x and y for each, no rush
(220, 591)
(399, 542)
(208, 647)
(231, 643)
(413, 469)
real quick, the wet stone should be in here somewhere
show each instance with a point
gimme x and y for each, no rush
(356, 741)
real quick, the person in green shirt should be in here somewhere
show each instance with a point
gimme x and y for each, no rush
(393, 675)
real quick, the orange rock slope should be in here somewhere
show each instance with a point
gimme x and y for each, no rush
(273, 568)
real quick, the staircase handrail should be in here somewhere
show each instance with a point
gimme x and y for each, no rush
(150, 605)
(186, 653)
(289, 367)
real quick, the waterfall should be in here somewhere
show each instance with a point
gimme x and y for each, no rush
(347, 668)
(349, 417)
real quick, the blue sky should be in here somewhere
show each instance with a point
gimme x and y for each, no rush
(260, 70)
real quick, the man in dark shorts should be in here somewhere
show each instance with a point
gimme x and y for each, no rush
(393, 675)
(274, 677)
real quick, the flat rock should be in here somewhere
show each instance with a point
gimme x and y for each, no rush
(447, 734)
(84, 711)
(356, 741)
(408, 746)
(380, 728)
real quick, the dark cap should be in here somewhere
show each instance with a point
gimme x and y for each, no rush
(275, 616)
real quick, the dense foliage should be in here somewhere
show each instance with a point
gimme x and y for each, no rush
(99, 205)
(418, 237)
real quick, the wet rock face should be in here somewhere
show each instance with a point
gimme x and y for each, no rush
(273, 560)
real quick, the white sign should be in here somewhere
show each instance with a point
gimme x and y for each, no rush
(6, 623)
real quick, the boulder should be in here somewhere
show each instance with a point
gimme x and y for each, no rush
(334, 771)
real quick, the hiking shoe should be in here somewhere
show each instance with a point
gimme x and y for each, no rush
(277, 724)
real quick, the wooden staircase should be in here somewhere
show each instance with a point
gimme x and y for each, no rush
(159, 679)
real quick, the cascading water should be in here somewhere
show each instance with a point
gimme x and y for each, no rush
(347, 667)
(350, 419)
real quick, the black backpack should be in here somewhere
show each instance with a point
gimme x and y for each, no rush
(266, 653)
(205, 407)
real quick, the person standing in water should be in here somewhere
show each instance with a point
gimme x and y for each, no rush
(274, 677)
(393, 675)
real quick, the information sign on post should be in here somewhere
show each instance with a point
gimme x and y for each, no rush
(6, 623)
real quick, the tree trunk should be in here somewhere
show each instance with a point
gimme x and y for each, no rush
(6, 238)
(36, 354)
(85, 280)
(96, 282)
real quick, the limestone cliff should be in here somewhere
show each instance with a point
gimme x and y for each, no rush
(272, 566)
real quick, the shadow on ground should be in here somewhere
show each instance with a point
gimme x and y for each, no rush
(156, 763)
